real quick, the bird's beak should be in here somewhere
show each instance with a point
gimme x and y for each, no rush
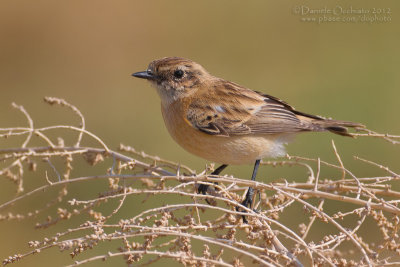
(144, 75)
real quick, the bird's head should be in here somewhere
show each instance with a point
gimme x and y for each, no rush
(174, 77)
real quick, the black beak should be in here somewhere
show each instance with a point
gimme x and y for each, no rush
(144, 75)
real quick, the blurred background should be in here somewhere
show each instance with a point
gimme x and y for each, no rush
(85, 51)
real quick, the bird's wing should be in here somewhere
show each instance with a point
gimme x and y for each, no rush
(230, 110)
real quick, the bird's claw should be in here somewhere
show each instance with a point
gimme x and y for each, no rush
(202, 189)
(247, 202)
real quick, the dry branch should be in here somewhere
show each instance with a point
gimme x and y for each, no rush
(176, 231)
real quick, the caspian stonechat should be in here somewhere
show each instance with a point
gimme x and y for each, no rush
(224, 122)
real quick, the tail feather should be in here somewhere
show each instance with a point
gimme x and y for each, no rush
(337, 127)
(316, 123)
(320, 124)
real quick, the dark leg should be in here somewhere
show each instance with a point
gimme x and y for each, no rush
(250, 192)
(203, 187)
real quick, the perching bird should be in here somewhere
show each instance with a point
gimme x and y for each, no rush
(224, 122)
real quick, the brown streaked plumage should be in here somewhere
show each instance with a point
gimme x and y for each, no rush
(224, 122)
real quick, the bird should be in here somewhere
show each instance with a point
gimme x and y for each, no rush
(226, 123)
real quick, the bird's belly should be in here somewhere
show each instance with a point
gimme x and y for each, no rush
(231, 150)
(221, 149)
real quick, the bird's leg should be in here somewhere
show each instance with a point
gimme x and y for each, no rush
(250, 192)
(203, 187)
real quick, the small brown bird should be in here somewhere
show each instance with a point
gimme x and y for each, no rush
(224, 122)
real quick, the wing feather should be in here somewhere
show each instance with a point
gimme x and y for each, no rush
(231, 110)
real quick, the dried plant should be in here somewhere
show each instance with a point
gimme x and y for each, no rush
(192, 232)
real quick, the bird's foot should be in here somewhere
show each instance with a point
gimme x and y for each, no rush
(202, 189)
(247, 202)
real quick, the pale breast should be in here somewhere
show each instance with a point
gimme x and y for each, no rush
(221, 149)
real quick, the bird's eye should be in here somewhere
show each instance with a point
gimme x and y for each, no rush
(178, 73)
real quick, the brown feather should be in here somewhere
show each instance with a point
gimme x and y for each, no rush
(224, 122)
(241, 111)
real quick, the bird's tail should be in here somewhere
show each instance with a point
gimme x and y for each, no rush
(338, 127)
(320, 124)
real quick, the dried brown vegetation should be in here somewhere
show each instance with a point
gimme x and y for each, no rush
(190, 231)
